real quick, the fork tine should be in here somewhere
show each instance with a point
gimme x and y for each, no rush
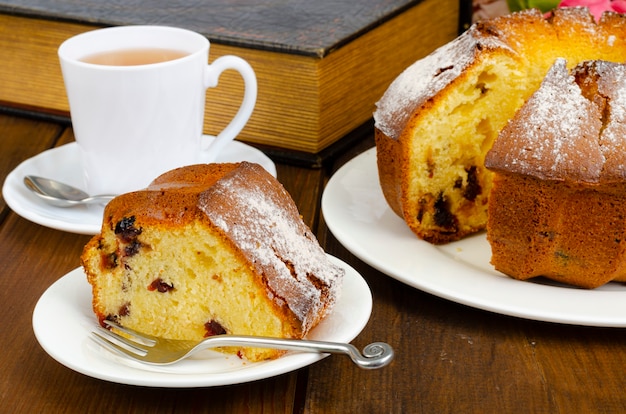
(144, 339)
(114, 342)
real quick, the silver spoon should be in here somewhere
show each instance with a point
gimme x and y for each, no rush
(61, 195)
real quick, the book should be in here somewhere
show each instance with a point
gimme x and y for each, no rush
(321, 65)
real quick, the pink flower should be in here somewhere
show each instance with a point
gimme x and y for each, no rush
(597, 7)
(619, 6)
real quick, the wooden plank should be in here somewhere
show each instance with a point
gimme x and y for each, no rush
(21, 139)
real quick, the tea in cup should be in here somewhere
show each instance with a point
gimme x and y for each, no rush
(137, 97)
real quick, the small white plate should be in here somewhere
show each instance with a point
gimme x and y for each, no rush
(63, 321)
(63, 164)
(358, 215)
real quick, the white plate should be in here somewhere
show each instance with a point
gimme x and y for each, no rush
(68, 302)
(357, 214)
(63, 164)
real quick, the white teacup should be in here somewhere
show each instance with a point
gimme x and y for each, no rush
(137, 95)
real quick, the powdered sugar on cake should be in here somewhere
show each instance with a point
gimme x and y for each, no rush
(288, 249)
(613, 139)
(568, 130)
(426, 77)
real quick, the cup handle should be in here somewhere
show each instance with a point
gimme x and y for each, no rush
(214, 70)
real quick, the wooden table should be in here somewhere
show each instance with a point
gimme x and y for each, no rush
(449, 357)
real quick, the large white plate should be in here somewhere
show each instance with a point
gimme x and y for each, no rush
(357, 214)
(63, 164)
(63, 321)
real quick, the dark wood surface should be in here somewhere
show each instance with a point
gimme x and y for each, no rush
(449, 358)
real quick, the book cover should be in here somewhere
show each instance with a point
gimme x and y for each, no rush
(321, 65)
(306, 27)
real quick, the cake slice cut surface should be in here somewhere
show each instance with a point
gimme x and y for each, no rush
(211, 249)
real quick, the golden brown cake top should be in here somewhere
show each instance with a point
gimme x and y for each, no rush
(256, 214)
(428, 76)
(527, 36)
(573, 128)
(604, 83)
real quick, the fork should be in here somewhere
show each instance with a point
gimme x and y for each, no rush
(160, 351)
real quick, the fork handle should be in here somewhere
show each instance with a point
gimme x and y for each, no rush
(375, 355)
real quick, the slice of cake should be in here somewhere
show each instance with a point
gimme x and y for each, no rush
(437, 120)
(210, 249)
(558, 203)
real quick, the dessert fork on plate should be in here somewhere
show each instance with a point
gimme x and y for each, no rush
(160, 351)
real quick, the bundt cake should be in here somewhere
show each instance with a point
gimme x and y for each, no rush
(210, 249)
(438, 119)
(558, 203)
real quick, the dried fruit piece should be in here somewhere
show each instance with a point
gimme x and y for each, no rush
(126, 230)
(160, 285)
(213, 328)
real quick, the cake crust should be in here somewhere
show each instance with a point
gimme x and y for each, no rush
(558, 203)
(535, 230)
(209, 249)
(437, 120)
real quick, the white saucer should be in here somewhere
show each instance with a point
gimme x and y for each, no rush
(357, 214)
(72, 345)
(63, 164)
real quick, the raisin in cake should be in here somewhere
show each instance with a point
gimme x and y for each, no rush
(210, 249)
(438, 119)
(558, 203)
